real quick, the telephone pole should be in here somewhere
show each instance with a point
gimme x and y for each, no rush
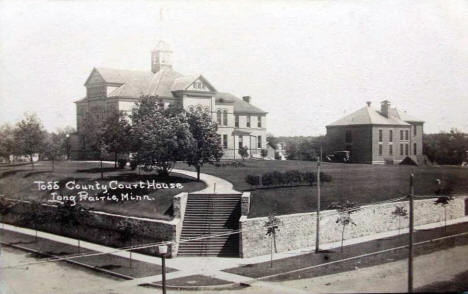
(411, 235)
(317, 231)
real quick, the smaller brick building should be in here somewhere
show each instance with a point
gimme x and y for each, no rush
(375, 136)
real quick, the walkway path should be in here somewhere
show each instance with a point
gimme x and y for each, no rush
(213, 184)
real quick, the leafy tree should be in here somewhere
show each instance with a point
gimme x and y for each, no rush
(243, 152)
(116, 134)
(291, 151)
(7, 143)
(93, 136)
(345, 209)
(446, 148)
(264, 153)
(29, 137)
(272, 224)
(161, 136)
(206, 142)
(400, 212)
(54, 147)
(444, 198)
(272, 140)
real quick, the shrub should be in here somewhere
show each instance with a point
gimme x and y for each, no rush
(325, 177)
(122, 163)
(292, 176)
(252, 180)
(133, 164)
(309, 177)
(264, 153)
(277, 155)
(267, 179)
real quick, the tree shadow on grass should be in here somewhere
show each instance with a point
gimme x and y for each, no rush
(132, 177)
(11, 173)
(36, 173)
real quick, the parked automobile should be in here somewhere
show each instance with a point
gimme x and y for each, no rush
(339, 156)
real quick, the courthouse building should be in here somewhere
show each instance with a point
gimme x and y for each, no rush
(388, 135)
(240, 124)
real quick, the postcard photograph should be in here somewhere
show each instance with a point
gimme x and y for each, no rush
(233, 146)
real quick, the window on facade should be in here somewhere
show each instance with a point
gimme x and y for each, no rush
(380, 149)
(240, 142)
(237, 121)
(406, 149)
(225, 141)
(248, 121)
(406, 134)
(401, 135)
(259, 142)
(95, 92)
(390, 149)
(415, 150)
(348, 136)
(259, 121)
(225, 117)
(380, 135)
(390, 136)
(218, 116)
(414, 130)
(401, 149)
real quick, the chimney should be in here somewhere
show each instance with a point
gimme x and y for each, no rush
(368, 103)
(384, 107)
(246, 99)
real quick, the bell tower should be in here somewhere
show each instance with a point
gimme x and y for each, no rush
(161, 57)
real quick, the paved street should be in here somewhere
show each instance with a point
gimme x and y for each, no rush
(389, 277)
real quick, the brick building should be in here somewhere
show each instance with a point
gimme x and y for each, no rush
(239, 122)
(375, 136)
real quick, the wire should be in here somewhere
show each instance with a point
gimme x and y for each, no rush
(201, 237)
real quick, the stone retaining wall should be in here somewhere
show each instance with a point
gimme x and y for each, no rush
(103, 227)
(298, 230)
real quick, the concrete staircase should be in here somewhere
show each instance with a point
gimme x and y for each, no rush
(211, 214)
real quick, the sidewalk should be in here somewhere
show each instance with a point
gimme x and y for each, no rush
(237, 269)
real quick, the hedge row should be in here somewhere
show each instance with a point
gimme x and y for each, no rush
(290, 177)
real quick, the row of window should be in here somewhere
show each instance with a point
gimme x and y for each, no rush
(404, 135)
(222, 119)
(240, 141)
(404, 149)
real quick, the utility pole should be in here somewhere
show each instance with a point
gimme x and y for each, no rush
(317, 231)
(411, 235)
(162, 253)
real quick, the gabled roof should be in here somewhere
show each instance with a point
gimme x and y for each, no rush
(134, 84)
(368, 116)
(121, 76)
(403, 115)
(240, 106)
(184, 82)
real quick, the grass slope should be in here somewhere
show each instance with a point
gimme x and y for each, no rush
(363, 183)
(18, 182)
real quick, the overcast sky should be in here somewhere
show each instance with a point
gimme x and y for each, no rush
(307, 63)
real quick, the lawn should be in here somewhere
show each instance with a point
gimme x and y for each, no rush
(18, 182)
(362, 183)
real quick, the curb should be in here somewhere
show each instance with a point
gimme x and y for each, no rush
(229, 286)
